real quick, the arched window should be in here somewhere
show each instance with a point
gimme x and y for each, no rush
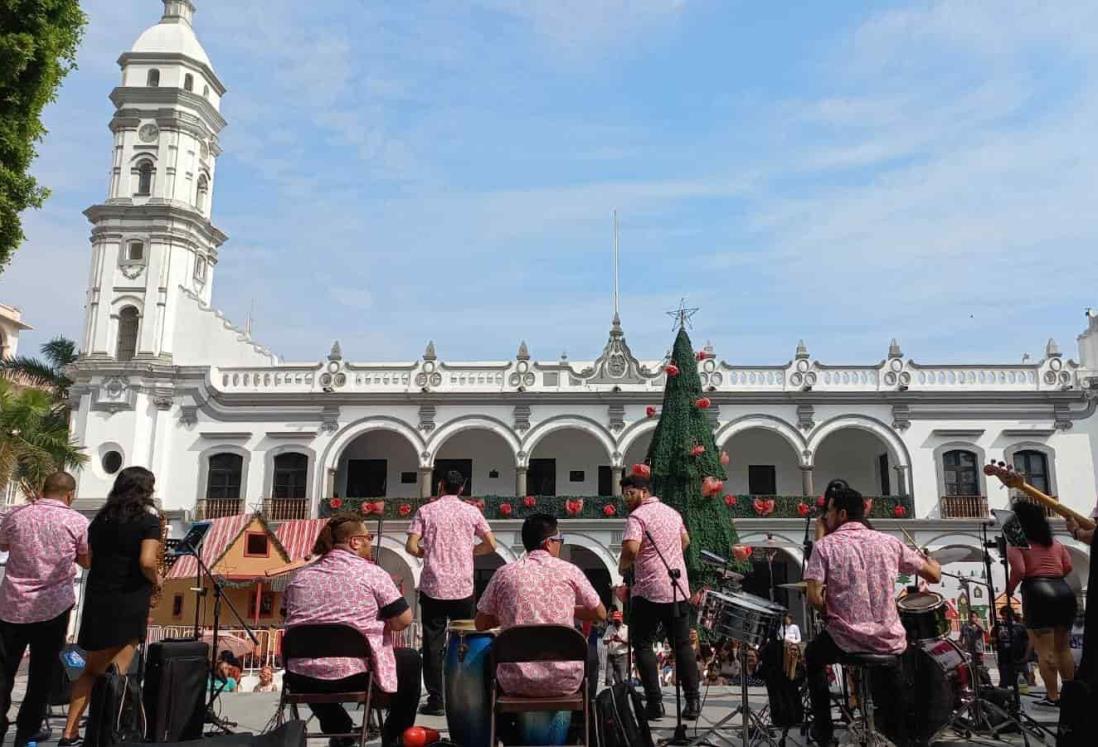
(206, 91)
(290, 473)
(129, 320)
(1034, 465)
(135, 251)
(188, 82)
(203, 191)
(153, 79)
(224, 477)
(144, 178)
(960, 472)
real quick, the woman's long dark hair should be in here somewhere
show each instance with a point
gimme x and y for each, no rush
(1034, 522)
(131, 496)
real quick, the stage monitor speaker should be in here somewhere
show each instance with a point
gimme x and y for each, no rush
(290, 734)
(176, 673)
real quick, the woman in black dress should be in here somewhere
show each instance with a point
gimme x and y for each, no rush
(125, 540)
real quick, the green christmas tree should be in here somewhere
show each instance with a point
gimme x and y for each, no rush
(682, 455)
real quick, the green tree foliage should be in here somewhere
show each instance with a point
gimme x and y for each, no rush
(46, 373)
(677, 474)
(38, 41)
(34, 438)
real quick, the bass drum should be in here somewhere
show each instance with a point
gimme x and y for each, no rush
(936, 675)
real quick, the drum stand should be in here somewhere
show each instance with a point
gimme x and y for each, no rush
(756, 730)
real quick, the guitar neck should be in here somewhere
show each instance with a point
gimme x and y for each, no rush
(1055, 505)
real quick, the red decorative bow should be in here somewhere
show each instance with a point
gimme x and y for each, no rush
(373, 507)
(404, 509)
(642, 470)
(741, 552)
(609, 509)
(573, 506)
(899, 511)
(725, 459)
(711, 486)
(335, 503)
(671, 369)
(803, 508)
(730, 500)
(702, 403)
(529, 501)
(698, 450)
(650, 411)
(764, 507)
(505, 509)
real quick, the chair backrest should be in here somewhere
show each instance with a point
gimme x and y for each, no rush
(526, 643)
(324, 640)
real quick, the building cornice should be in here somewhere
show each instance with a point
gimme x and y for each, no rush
(161, 217)
(174, 58)
(125, 97)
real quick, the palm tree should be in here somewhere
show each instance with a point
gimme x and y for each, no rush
(45, 374)
(34, 438)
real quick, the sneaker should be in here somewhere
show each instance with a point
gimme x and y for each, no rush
(1048, 703)
(76, 741)
(432, 708)
(653, 710)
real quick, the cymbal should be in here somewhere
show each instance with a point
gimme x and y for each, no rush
(957, 554)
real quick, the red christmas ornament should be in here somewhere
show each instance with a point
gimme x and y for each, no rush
(725, 459)
(419, 736)
(730, 500)
(702, 403)
(609, 510)
(899, 511)
(529, 501)
(868, 506)
(821, 502)
(574, 507)
(505, 509)
(711, 486)
(764, 507)
(650, 411)
(642, 470)
(671, 369)
(741, 552)
(698, 450)
(335, 502)
(404, 509)
(803, 509)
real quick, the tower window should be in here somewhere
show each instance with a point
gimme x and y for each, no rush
(200, 270)
(135, 251)
(203, 190)
(188, 82)
(153, 79)
(128, 322)
(144, 179)
(206, 91)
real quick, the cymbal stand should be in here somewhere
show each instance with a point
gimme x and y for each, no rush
(755, 730)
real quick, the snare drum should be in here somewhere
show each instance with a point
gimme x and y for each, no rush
(924, 615)
(741, 616)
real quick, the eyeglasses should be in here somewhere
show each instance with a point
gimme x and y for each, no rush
(558, 537)
(366, 537)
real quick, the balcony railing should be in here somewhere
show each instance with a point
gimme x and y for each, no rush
(218, 508)
(285, 509)
(964, 507)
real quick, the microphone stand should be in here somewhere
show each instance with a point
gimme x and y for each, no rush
(679, 737)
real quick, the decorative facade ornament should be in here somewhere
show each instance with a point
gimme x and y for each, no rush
(188, 415)
(1052, 350)
(713, 414)
(802, 351)
(329, 419)
(894, 349)
(1061, 411)
(806, 417)
(901, 417)
(521, 418)
(429, 353)
(523, 352)
(426, 418)
(616, 364)
(163, 399)
(336, 353)
(114, 395)
(132, 270)
(616, 414)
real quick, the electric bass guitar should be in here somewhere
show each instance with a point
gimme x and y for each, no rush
(1012, 478)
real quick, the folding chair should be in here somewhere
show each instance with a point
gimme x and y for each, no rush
(539, 643)
(321, 642)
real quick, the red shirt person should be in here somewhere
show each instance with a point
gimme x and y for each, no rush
(446, 533)
(539, 588)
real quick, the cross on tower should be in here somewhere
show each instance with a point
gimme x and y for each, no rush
(682, 315)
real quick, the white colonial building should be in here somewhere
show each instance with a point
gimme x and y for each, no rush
(165, 381)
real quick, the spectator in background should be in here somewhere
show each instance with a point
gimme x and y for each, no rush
(1011, 647)
(972, 638)
(266, 681)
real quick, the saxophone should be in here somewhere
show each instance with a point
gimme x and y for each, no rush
(161, 562)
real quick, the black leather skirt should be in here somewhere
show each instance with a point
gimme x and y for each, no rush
(1048, 603)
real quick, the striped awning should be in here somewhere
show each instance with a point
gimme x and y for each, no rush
(299, 535)
(217, 540)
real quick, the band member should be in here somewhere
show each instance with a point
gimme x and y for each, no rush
(44, 539)
(539, 588)
(445, 534)
(858, 566)
(651, 521)
(1048, 603)
(344, 586)
(124, 538)
(617, 649)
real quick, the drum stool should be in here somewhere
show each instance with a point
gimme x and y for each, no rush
(863, 664)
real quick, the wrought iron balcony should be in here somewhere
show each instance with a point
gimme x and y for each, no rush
(963, 507)
(218, 508)
(286, 509)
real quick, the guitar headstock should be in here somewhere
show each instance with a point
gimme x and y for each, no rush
(1006, 474)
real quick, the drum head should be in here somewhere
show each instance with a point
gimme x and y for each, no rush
(462, 626)
(920, 601)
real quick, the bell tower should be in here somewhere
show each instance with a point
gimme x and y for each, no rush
(153, 242)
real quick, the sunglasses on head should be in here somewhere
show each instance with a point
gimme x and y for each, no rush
(558, 537)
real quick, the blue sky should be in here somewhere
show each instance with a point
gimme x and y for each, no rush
(402, 171)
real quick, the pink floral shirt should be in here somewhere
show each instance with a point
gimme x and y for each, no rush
(860, 567)
(449, 529)
(665, 525)
(538, 588)
(44, 539)
(344, 588)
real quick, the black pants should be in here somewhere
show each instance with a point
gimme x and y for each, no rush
(649, 622)
(46, 639)
(333, 717)
(888, 688)
(435, 614)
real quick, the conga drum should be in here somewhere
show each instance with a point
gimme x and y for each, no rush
(466, 676)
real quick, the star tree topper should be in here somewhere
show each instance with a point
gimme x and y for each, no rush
(683, 315)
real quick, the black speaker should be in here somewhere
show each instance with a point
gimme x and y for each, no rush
(176, 673)
(290, 734)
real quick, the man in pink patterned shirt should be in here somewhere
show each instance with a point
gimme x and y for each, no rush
(44, 539)
(659, 602)
(446, 533)
(539, 588)
(344, 586)
(859, 567)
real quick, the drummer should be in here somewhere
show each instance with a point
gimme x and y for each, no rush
(539, 588)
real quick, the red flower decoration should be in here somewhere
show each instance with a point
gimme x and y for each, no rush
(730, 500)
(574, 506)
(899, 511)
(700, 355)
(609, 510)
(711, 486)
(477, 502)
(702, 403)
(803, 508)
(404, 509)
(671, 369)
(741, 552)
(335, 502)
(764, 507)
(373, 507)
(505, 509)
(642, 470)
(821, 502)
(698, 450)
(725, 459)
(529, 501)
(650, 411)
(868, 506)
